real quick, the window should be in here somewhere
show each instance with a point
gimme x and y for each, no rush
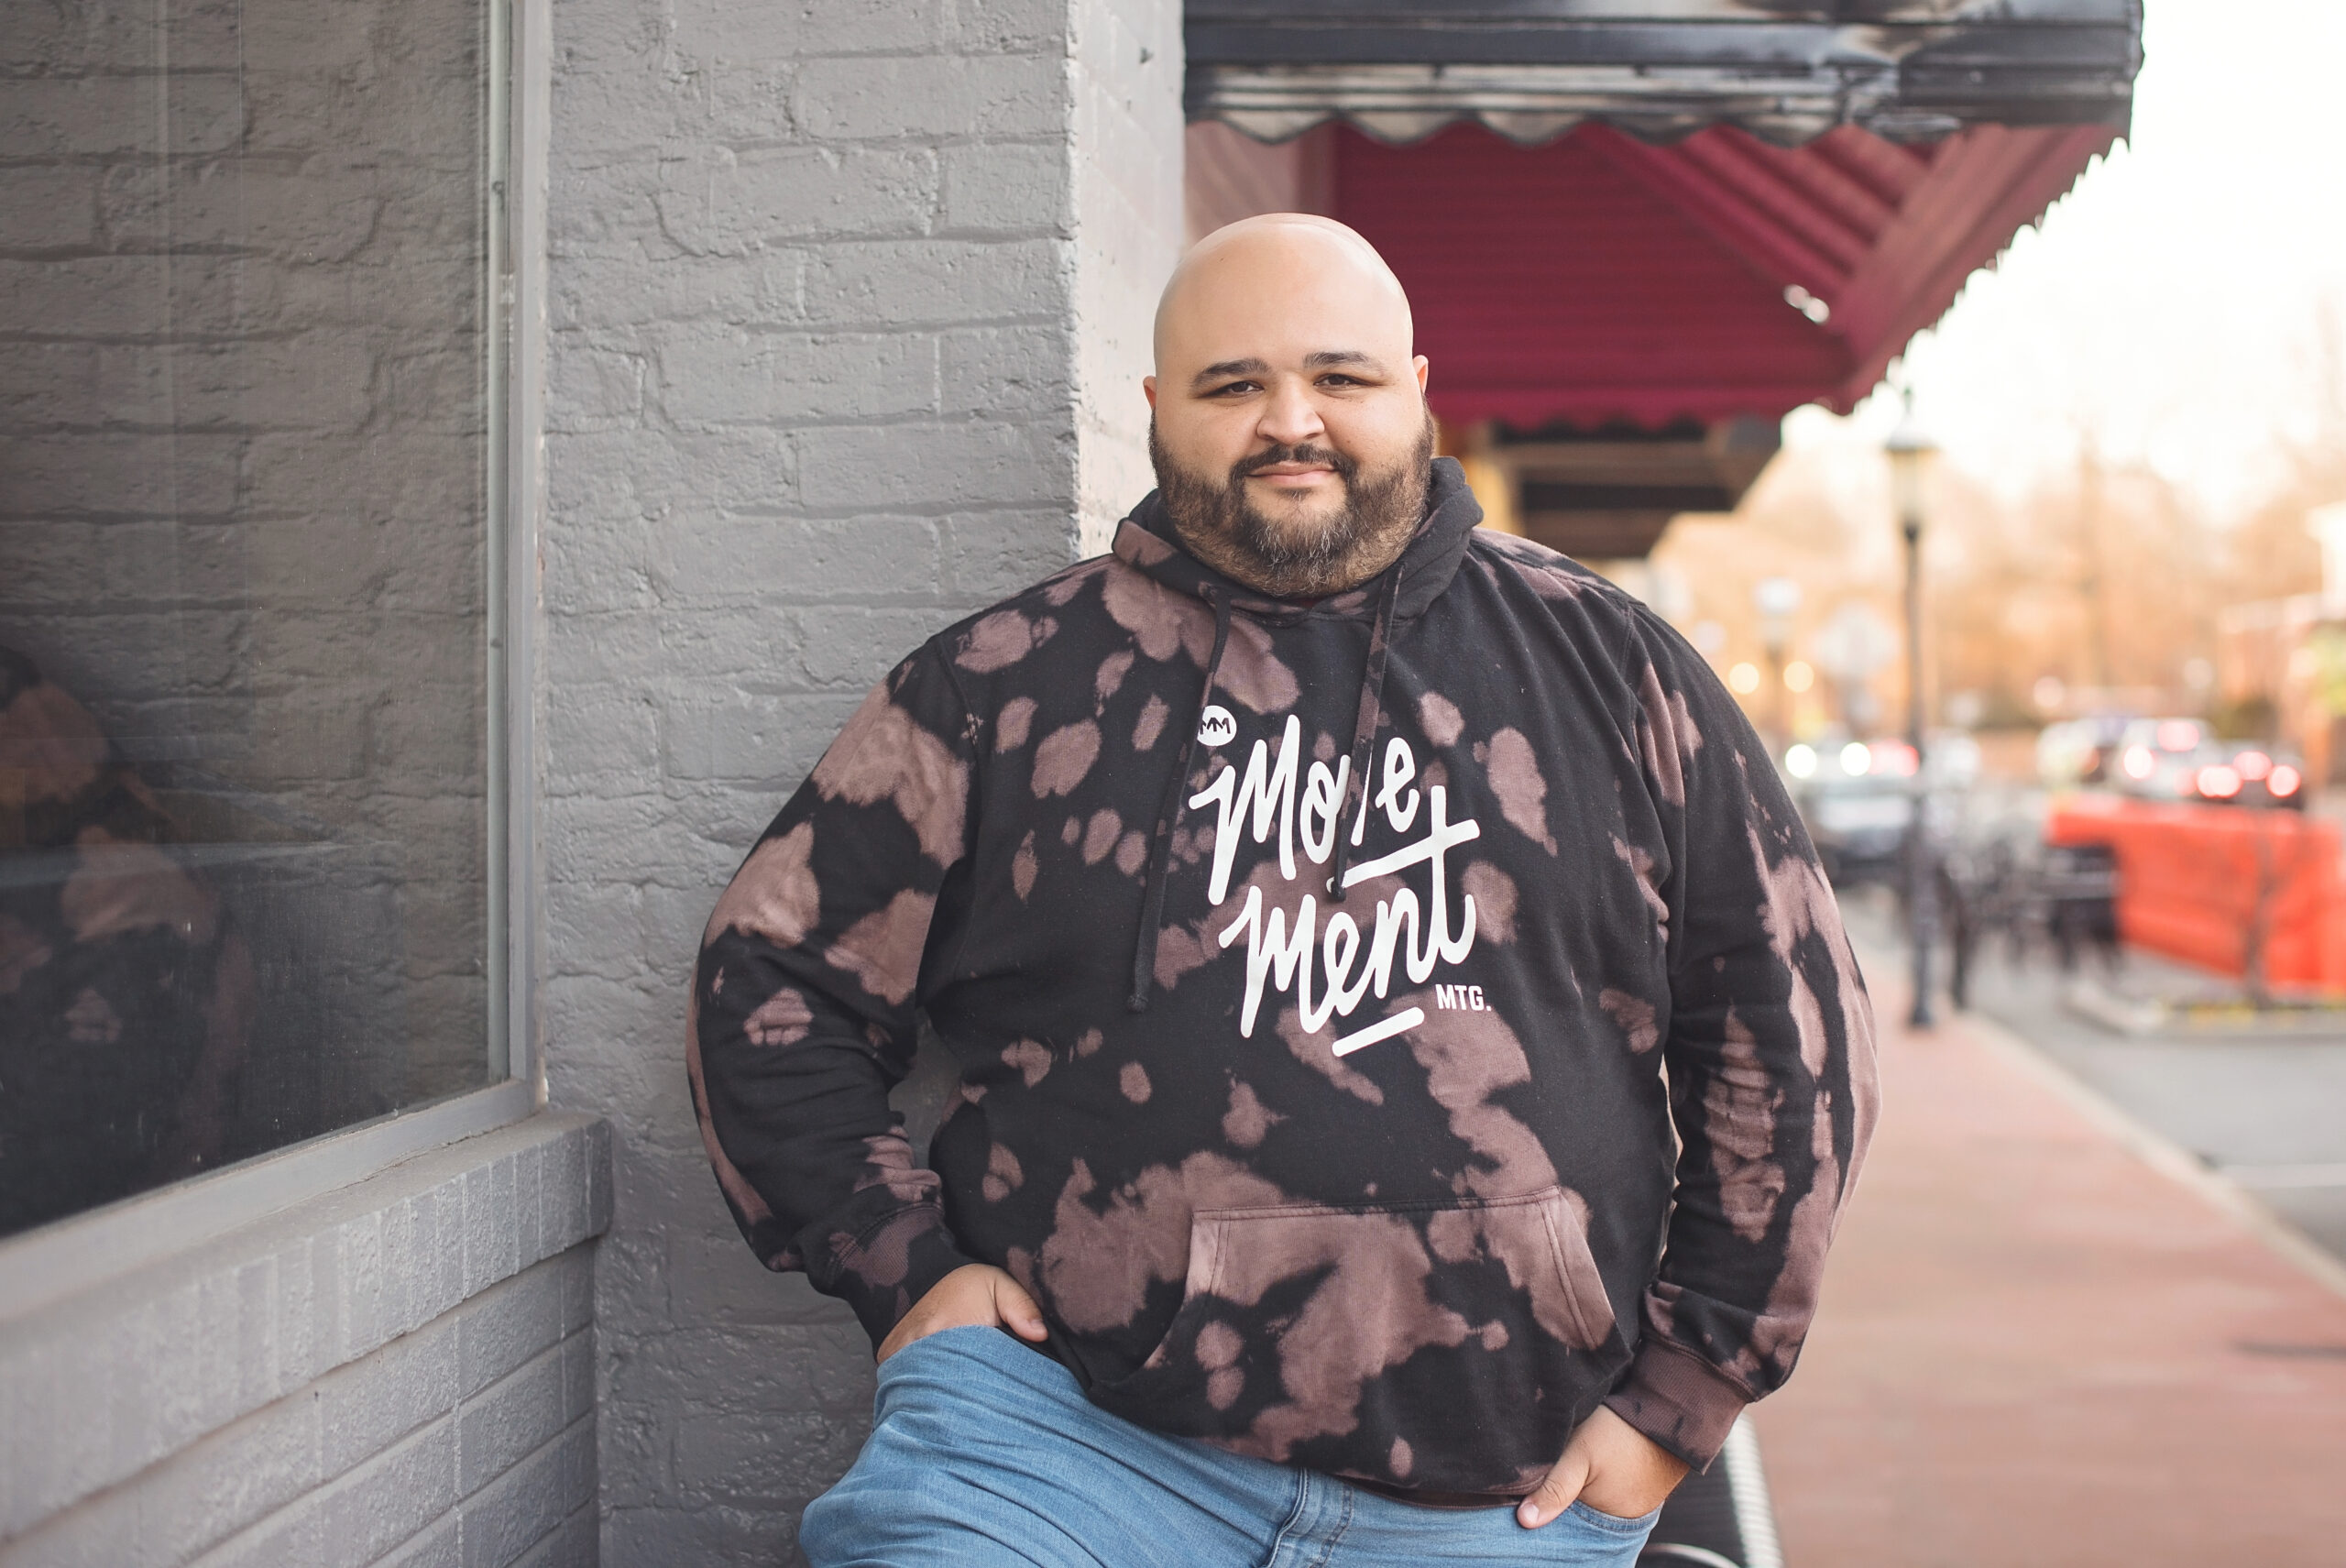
(250, 376)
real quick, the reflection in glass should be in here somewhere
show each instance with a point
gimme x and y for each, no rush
(242, 552)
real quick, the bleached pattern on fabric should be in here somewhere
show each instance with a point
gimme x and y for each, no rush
(1373, 1180)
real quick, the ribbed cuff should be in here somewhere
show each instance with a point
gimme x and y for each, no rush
(1678, 1400)
(893, 1264)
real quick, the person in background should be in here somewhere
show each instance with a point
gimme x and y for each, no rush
(125, 998)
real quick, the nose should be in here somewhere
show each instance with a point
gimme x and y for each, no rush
(1290, 417)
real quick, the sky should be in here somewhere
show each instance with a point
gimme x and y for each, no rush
(2171, 304)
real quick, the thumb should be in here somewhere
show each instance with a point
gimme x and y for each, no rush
(1017, 1309)
(1556, 1493)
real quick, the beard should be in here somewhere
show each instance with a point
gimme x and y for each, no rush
(1292, 556)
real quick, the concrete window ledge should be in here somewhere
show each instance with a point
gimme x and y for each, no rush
(401, 1370)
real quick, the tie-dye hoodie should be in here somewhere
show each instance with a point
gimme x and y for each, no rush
(1387, 1028)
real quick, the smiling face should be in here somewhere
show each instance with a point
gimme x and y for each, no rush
(1291, 438)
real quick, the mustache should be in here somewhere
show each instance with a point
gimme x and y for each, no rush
(1245, 467)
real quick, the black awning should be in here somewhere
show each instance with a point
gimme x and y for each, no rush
(1786, 71)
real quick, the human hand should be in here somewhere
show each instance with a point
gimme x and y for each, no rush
(1611, 1466)
(974, 1295)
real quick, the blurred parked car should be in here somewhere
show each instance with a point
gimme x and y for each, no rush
(2080, 751)
(2179, 760)
(2249, 774)
(1857, 797)
(2159, 758)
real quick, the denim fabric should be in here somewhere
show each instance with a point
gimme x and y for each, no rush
(985, 1454)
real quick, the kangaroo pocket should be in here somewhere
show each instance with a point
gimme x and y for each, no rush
(1443, 1347)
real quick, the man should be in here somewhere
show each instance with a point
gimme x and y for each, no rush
(1333, 911)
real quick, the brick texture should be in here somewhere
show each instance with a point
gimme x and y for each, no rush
(402, 1371)
(849, 304)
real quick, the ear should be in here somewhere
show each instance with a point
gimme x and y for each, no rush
(1421, 365)
(1148, 388)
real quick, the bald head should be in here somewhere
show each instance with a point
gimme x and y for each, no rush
(1290, 437)
(1296, 266)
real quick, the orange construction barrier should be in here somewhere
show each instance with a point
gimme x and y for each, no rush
(2190, 878)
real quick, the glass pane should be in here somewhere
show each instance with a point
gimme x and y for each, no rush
(244, 698)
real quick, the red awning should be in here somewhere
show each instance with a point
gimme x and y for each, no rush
(1600, 279)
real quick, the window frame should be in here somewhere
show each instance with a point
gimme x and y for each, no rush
(78, 1252)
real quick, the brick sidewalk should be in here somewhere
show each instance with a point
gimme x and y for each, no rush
(2038, 1351)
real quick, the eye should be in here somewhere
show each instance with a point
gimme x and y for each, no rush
(1338, 378)
(1228, 388)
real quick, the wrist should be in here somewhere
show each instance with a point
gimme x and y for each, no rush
(882, 1273)
(1679, 1402)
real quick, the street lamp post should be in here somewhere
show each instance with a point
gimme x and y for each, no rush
(1909, 451)
(1778, 600)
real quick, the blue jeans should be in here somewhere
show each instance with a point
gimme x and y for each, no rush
(985, 1454)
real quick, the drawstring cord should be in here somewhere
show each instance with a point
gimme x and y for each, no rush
(1372, 712)
(1372, 709)
(1153, 901)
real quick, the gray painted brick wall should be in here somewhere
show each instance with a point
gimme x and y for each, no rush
(849, 300)
(399, 1372)
(242, 477)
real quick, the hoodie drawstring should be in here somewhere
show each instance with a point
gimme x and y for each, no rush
(1371, 713)
(1152, 909)
(1372, 710)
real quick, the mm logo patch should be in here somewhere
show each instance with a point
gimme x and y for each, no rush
(1216, 727)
